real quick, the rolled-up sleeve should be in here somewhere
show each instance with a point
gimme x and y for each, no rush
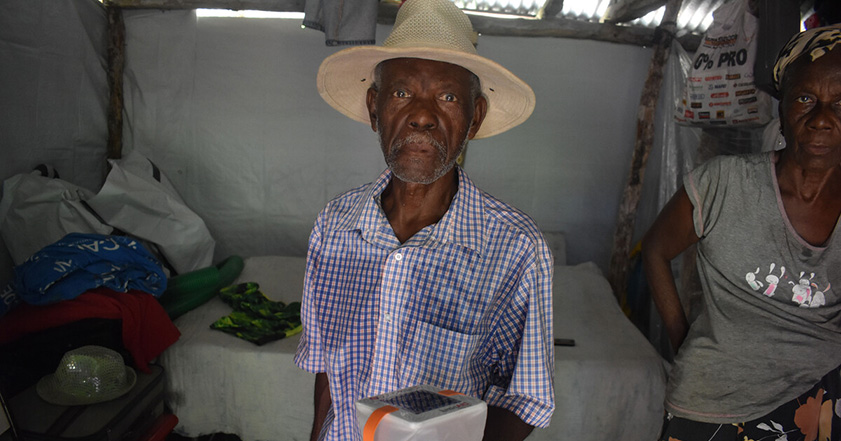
(310, 354)
(530, 394)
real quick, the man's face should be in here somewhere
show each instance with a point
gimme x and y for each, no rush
(424, 114)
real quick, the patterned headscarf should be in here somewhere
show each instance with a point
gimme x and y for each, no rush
(816, 42)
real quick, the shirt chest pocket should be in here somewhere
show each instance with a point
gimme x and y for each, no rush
(451, 303)
(441, 357)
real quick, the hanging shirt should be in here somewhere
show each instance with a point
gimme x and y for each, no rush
(465, 304)
(344, 22)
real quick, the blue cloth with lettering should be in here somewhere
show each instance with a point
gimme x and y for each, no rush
(80, 262)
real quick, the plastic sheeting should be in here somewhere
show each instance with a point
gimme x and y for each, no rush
(53, 88)
(139, 200)
(679, 148)
(228, 109)
(213, 105)
(53, 92)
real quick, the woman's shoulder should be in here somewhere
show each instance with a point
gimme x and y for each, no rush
(741, 160)
(739, 165)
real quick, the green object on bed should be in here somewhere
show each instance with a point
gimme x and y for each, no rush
(188, 291)
(256, 318)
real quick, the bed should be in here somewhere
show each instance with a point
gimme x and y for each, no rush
(609, 386)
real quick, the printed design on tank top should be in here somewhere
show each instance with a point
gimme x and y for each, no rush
(806, 290)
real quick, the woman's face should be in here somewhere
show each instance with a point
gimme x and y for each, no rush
(810, 111)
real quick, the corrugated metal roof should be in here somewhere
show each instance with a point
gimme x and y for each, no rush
(517, 8)
(695, 15)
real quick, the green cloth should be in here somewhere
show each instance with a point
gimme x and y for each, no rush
(256, 318)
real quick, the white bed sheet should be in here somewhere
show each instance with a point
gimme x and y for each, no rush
(219, 383)
(609, 386)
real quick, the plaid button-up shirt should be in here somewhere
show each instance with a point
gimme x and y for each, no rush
(465, 304)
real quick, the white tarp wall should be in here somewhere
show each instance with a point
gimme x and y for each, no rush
(228, 109)
(53, 88)
(53, 92)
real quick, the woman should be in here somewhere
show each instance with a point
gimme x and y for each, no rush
(761, 360)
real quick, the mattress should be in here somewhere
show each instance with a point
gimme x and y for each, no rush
(610, 385)
(217, 383)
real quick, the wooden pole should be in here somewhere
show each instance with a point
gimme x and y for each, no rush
(620, 258)
(116, 62)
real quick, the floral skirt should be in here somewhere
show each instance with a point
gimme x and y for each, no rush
(815, 415)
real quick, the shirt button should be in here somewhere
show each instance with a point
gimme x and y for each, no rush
(398, 257)
(387, 317)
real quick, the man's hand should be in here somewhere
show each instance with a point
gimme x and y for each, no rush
(503, 425)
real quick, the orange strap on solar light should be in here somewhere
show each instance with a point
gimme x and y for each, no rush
(447, 392)
(374, 421)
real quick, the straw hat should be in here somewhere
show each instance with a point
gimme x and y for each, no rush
(433, 30)
(87, 375)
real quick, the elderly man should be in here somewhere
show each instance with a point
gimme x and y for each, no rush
(420, 277)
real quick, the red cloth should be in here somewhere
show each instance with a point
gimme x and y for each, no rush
(147, 329)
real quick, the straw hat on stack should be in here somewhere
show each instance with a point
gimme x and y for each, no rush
(87, 375)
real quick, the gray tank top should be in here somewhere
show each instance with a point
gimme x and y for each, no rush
(770, 324)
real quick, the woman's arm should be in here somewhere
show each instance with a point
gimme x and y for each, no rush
(671, 233)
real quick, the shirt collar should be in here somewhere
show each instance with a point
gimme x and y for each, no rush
(462, 224)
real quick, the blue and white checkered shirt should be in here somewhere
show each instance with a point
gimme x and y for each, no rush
(465, 304)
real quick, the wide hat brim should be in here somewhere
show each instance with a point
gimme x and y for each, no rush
(344, 78)
(49, 389)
